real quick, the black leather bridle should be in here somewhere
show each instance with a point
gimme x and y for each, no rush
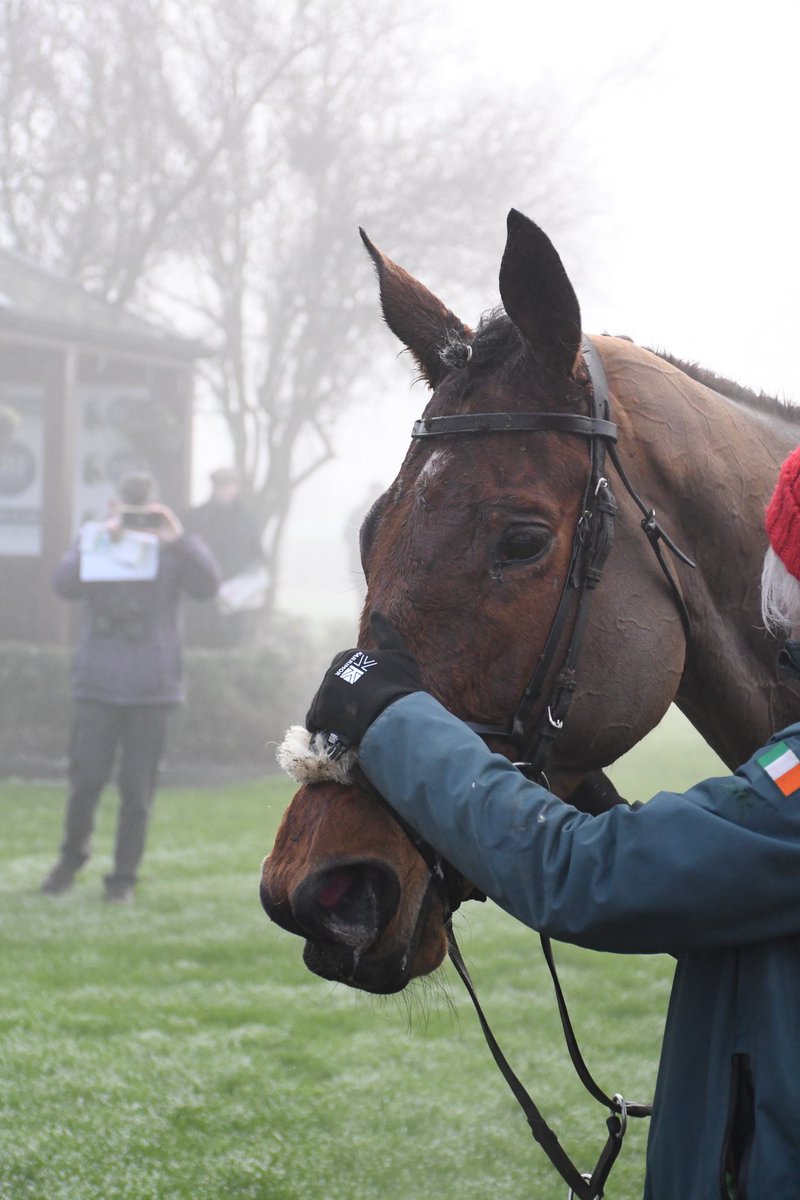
(591, 545)
(532, 734)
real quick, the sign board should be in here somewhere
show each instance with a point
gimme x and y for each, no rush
(21, 472)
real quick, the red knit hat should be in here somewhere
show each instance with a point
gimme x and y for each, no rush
(783, 515)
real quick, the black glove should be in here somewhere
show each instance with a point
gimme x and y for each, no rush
(360, 684)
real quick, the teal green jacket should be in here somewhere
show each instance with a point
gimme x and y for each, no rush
(711, 876)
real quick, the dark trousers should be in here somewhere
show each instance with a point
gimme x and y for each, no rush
(98, 732)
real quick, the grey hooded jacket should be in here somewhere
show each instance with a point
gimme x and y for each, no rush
(129, 644)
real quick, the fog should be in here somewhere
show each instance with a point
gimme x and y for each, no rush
(683, 124)
(655, 146)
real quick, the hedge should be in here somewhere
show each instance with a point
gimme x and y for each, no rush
(238, 702)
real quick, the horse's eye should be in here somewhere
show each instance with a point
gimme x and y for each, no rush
(523, 543)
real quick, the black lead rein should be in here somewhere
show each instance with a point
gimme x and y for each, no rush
(582, 1187)
(591, 546)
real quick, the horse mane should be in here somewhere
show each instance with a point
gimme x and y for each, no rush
(734, 391)
(498, 345)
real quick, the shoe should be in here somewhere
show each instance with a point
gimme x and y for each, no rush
(118, 893)
(59, 879)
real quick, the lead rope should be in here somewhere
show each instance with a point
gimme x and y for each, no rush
(582, 1186)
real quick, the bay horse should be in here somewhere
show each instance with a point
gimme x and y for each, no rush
(467, 554)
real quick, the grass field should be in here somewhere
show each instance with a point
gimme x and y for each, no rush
(178, 1048)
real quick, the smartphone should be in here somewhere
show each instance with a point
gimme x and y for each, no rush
(141, 518)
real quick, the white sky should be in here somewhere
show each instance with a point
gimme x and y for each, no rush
(686, 124)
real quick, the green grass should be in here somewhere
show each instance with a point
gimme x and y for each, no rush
(178, 1048)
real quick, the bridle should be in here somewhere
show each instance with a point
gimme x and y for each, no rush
(535, 724)
(533, 738)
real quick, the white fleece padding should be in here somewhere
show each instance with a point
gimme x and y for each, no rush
(302, 755)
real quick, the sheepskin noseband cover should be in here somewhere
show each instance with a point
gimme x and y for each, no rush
(302, 755)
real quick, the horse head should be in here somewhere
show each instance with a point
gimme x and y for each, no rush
(467, 553)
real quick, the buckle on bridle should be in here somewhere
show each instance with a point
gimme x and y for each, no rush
(584, 525)
(585, 1175)
(554, 721)
(620, 1100)
(650, 524)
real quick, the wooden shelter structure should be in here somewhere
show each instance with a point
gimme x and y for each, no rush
(88, 392)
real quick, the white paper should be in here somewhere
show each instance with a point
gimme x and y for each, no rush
(133, 555)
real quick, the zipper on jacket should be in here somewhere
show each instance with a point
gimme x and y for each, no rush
(739, 1130)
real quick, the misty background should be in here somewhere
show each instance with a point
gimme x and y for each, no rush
(207, 165)
(658, 155)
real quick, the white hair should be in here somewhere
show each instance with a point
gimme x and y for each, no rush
(456, 350)
(304, 757)
(780, 595)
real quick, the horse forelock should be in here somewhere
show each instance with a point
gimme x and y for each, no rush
(499, 346)
(497, 342)
(495, 369)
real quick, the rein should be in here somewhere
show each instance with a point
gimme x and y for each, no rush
(447, 884)
(591, 545)
(588, 1186)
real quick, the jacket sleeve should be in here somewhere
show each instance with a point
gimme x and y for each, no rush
(200, 575)
(716, 866)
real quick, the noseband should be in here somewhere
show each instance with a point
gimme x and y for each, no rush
(533, 738)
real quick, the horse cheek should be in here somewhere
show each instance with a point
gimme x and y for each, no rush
(617, 703)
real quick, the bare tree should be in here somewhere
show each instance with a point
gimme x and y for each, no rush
(216, 157)
(112, 120)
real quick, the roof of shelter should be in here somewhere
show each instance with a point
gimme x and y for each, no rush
(38, 302)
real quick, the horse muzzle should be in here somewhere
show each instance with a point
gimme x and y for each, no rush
(343, 876)
(346, 913)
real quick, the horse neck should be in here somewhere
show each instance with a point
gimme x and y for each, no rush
(709, 465)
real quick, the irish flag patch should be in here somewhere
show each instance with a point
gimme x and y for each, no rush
(783, 767)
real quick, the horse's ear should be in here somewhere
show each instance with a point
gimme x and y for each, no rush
(415, 315)
(538, 296)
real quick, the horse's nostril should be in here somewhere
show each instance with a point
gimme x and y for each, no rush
(335, 886)
(349, 904)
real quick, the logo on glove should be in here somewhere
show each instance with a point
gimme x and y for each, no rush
(357, 665)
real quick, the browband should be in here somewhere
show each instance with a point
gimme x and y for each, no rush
(574, 423)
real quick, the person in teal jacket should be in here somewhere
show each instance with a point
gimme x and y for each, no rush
(711, 876)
